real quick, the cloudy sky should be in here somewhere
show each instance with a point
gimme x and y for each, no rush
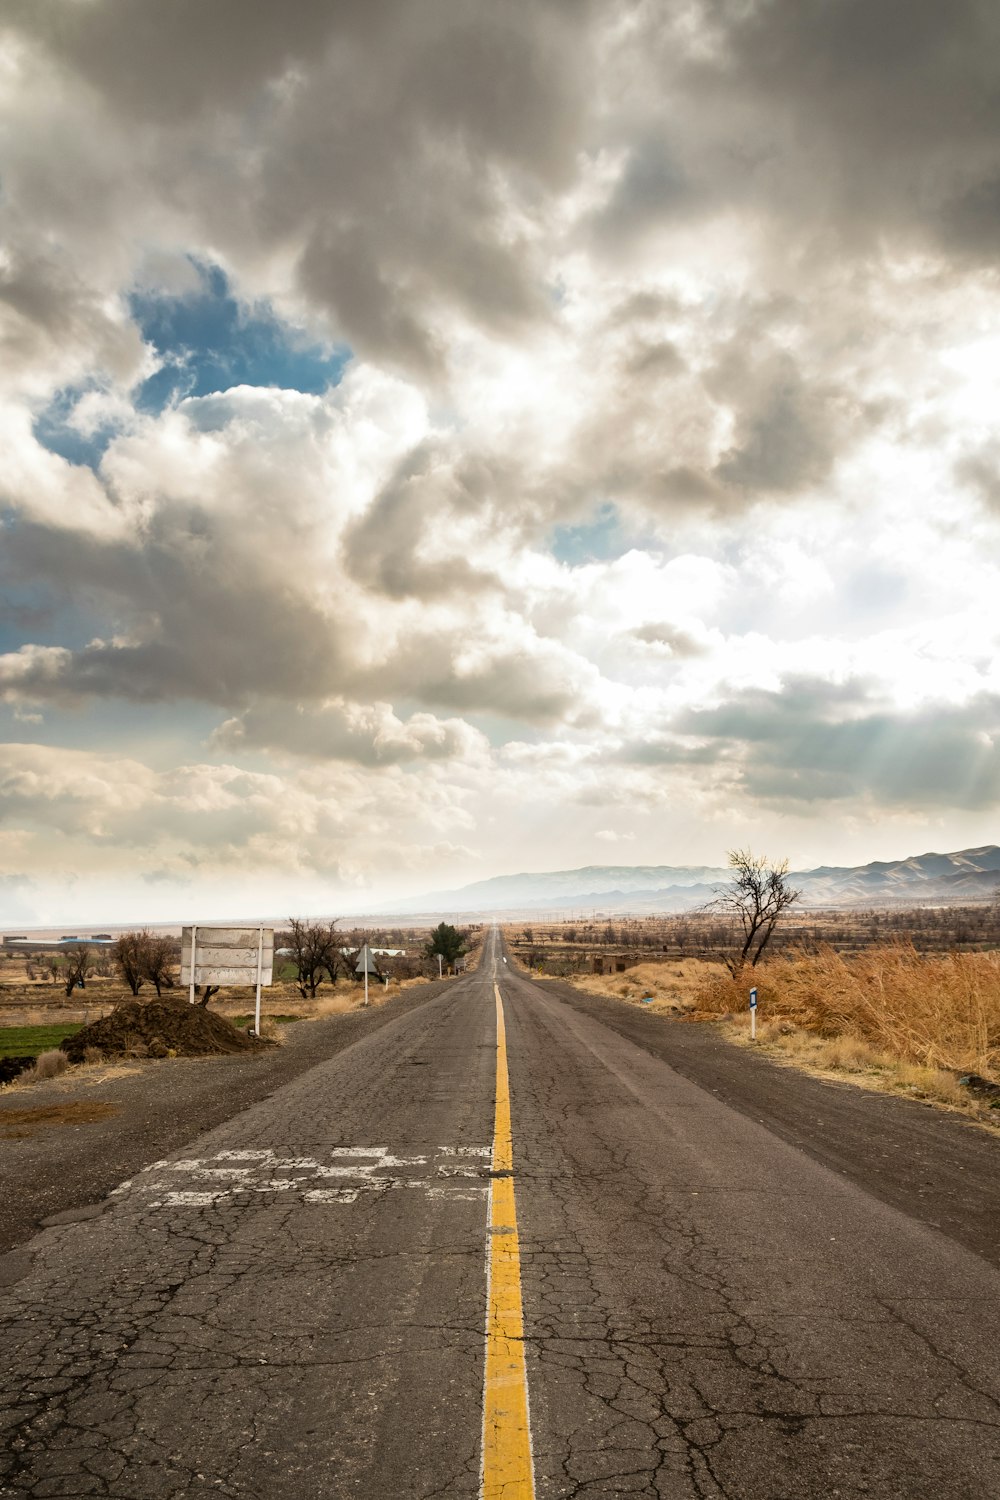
(446, 439)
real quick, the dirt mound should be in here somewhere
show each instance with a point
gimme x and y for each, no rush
(159, 1028)
(13, 1067)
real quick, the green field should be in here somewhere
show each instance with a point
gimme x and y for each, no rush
(29, 1041)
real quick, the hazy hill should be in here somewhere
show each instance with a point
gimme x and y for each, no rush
(968, 875)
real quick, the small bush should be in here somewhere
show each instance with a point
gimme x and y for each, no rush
(50, 1064)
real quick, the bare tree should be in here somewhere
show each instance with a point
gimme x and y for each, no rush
(157, 960)
(77, 969)
(756, 897)
(315, 952)
(129, 954)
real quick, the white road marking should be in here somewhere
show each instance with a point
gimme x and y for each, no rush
(457, 1173)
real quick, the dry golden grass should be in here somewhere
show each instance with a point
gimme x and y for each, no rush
(336, 1003)
(889, 1019)
(50, 1064)
(940, 1012)
(674, 987)
(340, 1001)
(859, 1062)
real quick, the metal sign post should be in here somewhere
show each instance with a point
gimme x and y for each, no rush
(194, 931)
(260, 970)
(753, 1014)
(365, 966)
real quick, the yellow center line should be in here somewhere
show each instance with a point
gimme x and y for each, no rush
(507, 1465)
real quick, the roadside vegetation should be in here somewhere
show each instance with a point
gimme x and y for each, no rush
(574, 946)
(29, 1041)
(49, 995)
(665, 989)
(756, 899)
(891, 1017)
(907, 1000)
(446, 943)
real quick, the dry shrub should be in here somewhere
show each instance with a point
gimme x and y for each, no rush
(334, 1005)
(50, 1064)
(672, 986)
(935, 1011)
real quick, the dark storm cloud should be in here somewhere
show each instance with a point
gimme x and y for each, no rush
(383, 140)
(206, 617)
(980, 471)
(786, 432)
(661, 358)
(652, 189)
(207, 611)
(870, 115)
(403, 544)
(55, 312)
(536, 682)
(815, 742)
(656, 441)
(161, 63)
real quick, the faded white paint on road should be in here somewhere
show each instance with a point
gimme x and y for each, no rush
(456, 1172)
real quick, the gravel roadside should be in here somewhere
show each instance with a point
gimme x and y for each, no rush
(62, 1169)
(937, 1167)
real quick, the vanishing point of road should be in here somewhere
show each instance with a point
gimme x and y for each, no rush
(498, 1248)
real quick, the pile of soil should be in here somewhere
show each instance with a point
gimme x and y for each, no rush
(13, 1067)
(159, 1028)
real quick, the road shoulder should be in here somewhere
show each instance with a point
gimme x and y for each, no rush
(153, 1108)
(937, 1168)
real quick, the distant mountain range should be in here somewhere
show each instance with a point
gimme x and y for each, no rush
(925, 879)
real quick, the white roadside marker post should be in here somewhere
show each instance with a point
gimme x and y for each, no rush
(366, 983)
(753, 1014)
(439, 966)
(260, 970)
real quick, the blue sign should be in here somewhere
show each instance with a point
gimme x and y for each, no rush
(753, 999)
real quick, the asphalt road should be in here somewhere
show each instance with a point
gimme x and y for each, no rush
(295, 1304)
(156, 1108)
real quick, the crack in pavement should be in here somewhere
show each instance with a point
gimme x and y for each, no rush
(215, 1331)
(710, 1314)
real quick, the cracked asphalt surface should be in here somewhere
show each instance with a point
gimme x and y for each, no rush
(294, 1304)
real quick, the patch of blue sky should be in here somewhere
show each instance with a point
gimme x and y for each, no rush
(208, 341)
(160, 735)
(205, 341)
(54, 429)
(601, 539)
